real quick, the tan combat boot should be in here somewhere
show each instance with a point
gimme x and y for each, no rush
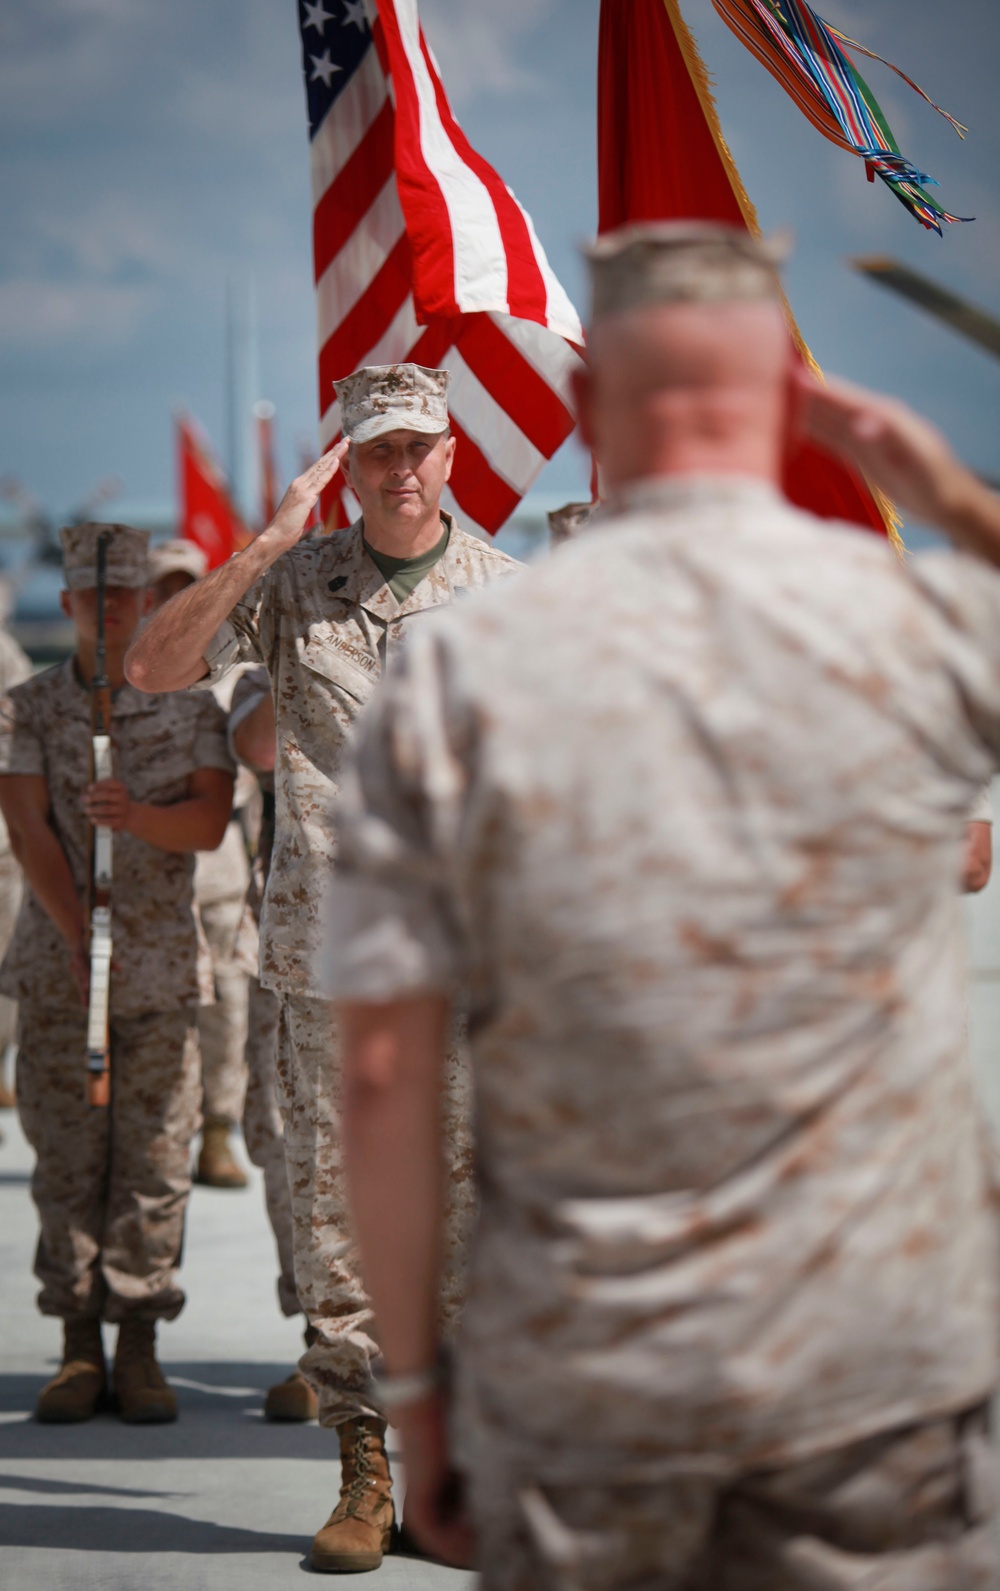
(293, 1400)
(143, 1395)
(216, 1166)
(81, 1386)
(360, 1528)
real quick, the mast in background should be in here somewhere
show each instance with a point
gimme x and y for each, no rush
(241, 384)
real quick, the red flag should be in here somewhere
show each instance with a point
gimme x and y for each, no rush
(207, 514)
(662, 156)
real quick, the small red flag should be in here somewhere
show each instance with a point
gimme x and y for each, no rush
(207, 514)
(662, 157)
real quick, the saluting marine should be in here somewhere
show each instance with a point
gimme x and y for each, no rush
(111, 1185)
(326, 615)
(680, 813)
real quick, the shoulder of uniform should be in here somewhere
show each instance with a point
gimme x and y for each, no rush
(337, 542)
(43, 683)
(319, 549)
(483, 551)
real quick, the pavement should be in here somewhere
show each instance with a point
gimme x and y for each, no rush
(219, 1501)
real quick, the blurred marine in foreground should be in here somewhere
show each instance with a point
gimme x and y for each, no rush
(679, 814)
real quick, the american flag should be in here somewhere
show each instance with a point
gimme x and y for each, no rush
(422, 253)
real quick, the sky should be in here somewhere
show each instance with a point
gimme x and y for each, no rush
(155, 158)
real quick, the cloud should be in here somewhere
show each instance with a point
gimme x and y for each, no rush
(55, 61)
(37, 313)
(118, 234)
(481, 45)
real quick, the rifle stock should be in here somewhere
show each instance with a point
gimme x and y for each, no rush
(99, 926)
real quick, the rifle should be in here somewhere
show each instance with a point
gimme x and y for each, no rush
(98, 1039)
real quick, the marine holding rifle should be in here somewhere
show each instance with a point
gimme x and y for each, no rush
(111, 1182)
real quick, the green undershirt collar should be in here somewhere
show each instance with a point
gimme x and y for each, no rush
(403, 575)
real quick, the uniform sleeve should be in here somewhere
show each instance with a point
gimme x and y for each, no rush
(237, 640)
(394, 923)
(251, 689)
(981, 810)
(211, 746)
(20, 741)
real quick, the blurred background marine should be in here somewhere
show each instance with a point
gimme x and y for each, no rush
(110, 1184)
(221, 881)
(15, 666)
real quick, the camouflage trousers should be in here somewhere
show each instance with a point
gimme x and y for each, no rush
(906, 1511)
(111, 1186)
(264, 1135)
(327, 1277)
(222, 1027)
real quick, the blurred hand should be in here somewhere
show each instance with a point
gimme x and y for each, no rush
(108, 804)
(434, 1514)
(977, 861)
(899, 451)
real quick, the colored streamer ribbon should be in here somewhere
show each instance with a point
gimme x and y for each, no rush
(804, 54)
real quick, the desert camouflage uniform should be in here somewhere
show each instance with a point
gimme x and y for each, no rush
(697, 867)
(111, 1186)
(323, 621)
(221, 880)
(222, 1026)
(262, 1128)
(15, 666)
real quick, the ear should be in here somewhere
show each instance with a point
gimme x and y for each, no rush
(449, 456)
(148, 599)
(583, 402)
(66, 603)
(345, 468)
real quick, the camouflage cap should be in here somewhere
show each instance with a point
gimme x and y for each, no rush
(383, 398)
(176, 557)
(666, 262)
(565, 522)
(128, 555)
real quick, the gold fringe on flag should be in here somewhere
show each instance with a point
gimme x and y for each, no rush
(704, 88)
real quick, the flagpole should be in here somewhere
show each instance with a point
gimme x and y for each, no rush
(232, 383)
(248, 488)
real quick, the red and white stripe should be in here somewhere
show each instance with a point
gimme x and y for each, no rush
(422, 253)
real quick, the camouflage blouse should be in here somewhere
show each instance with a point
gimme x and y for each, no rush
(157, 743)
(324, 623)
(679, 813)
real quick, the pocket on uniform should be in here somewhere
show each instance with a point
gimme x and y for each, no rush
(334, 664)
